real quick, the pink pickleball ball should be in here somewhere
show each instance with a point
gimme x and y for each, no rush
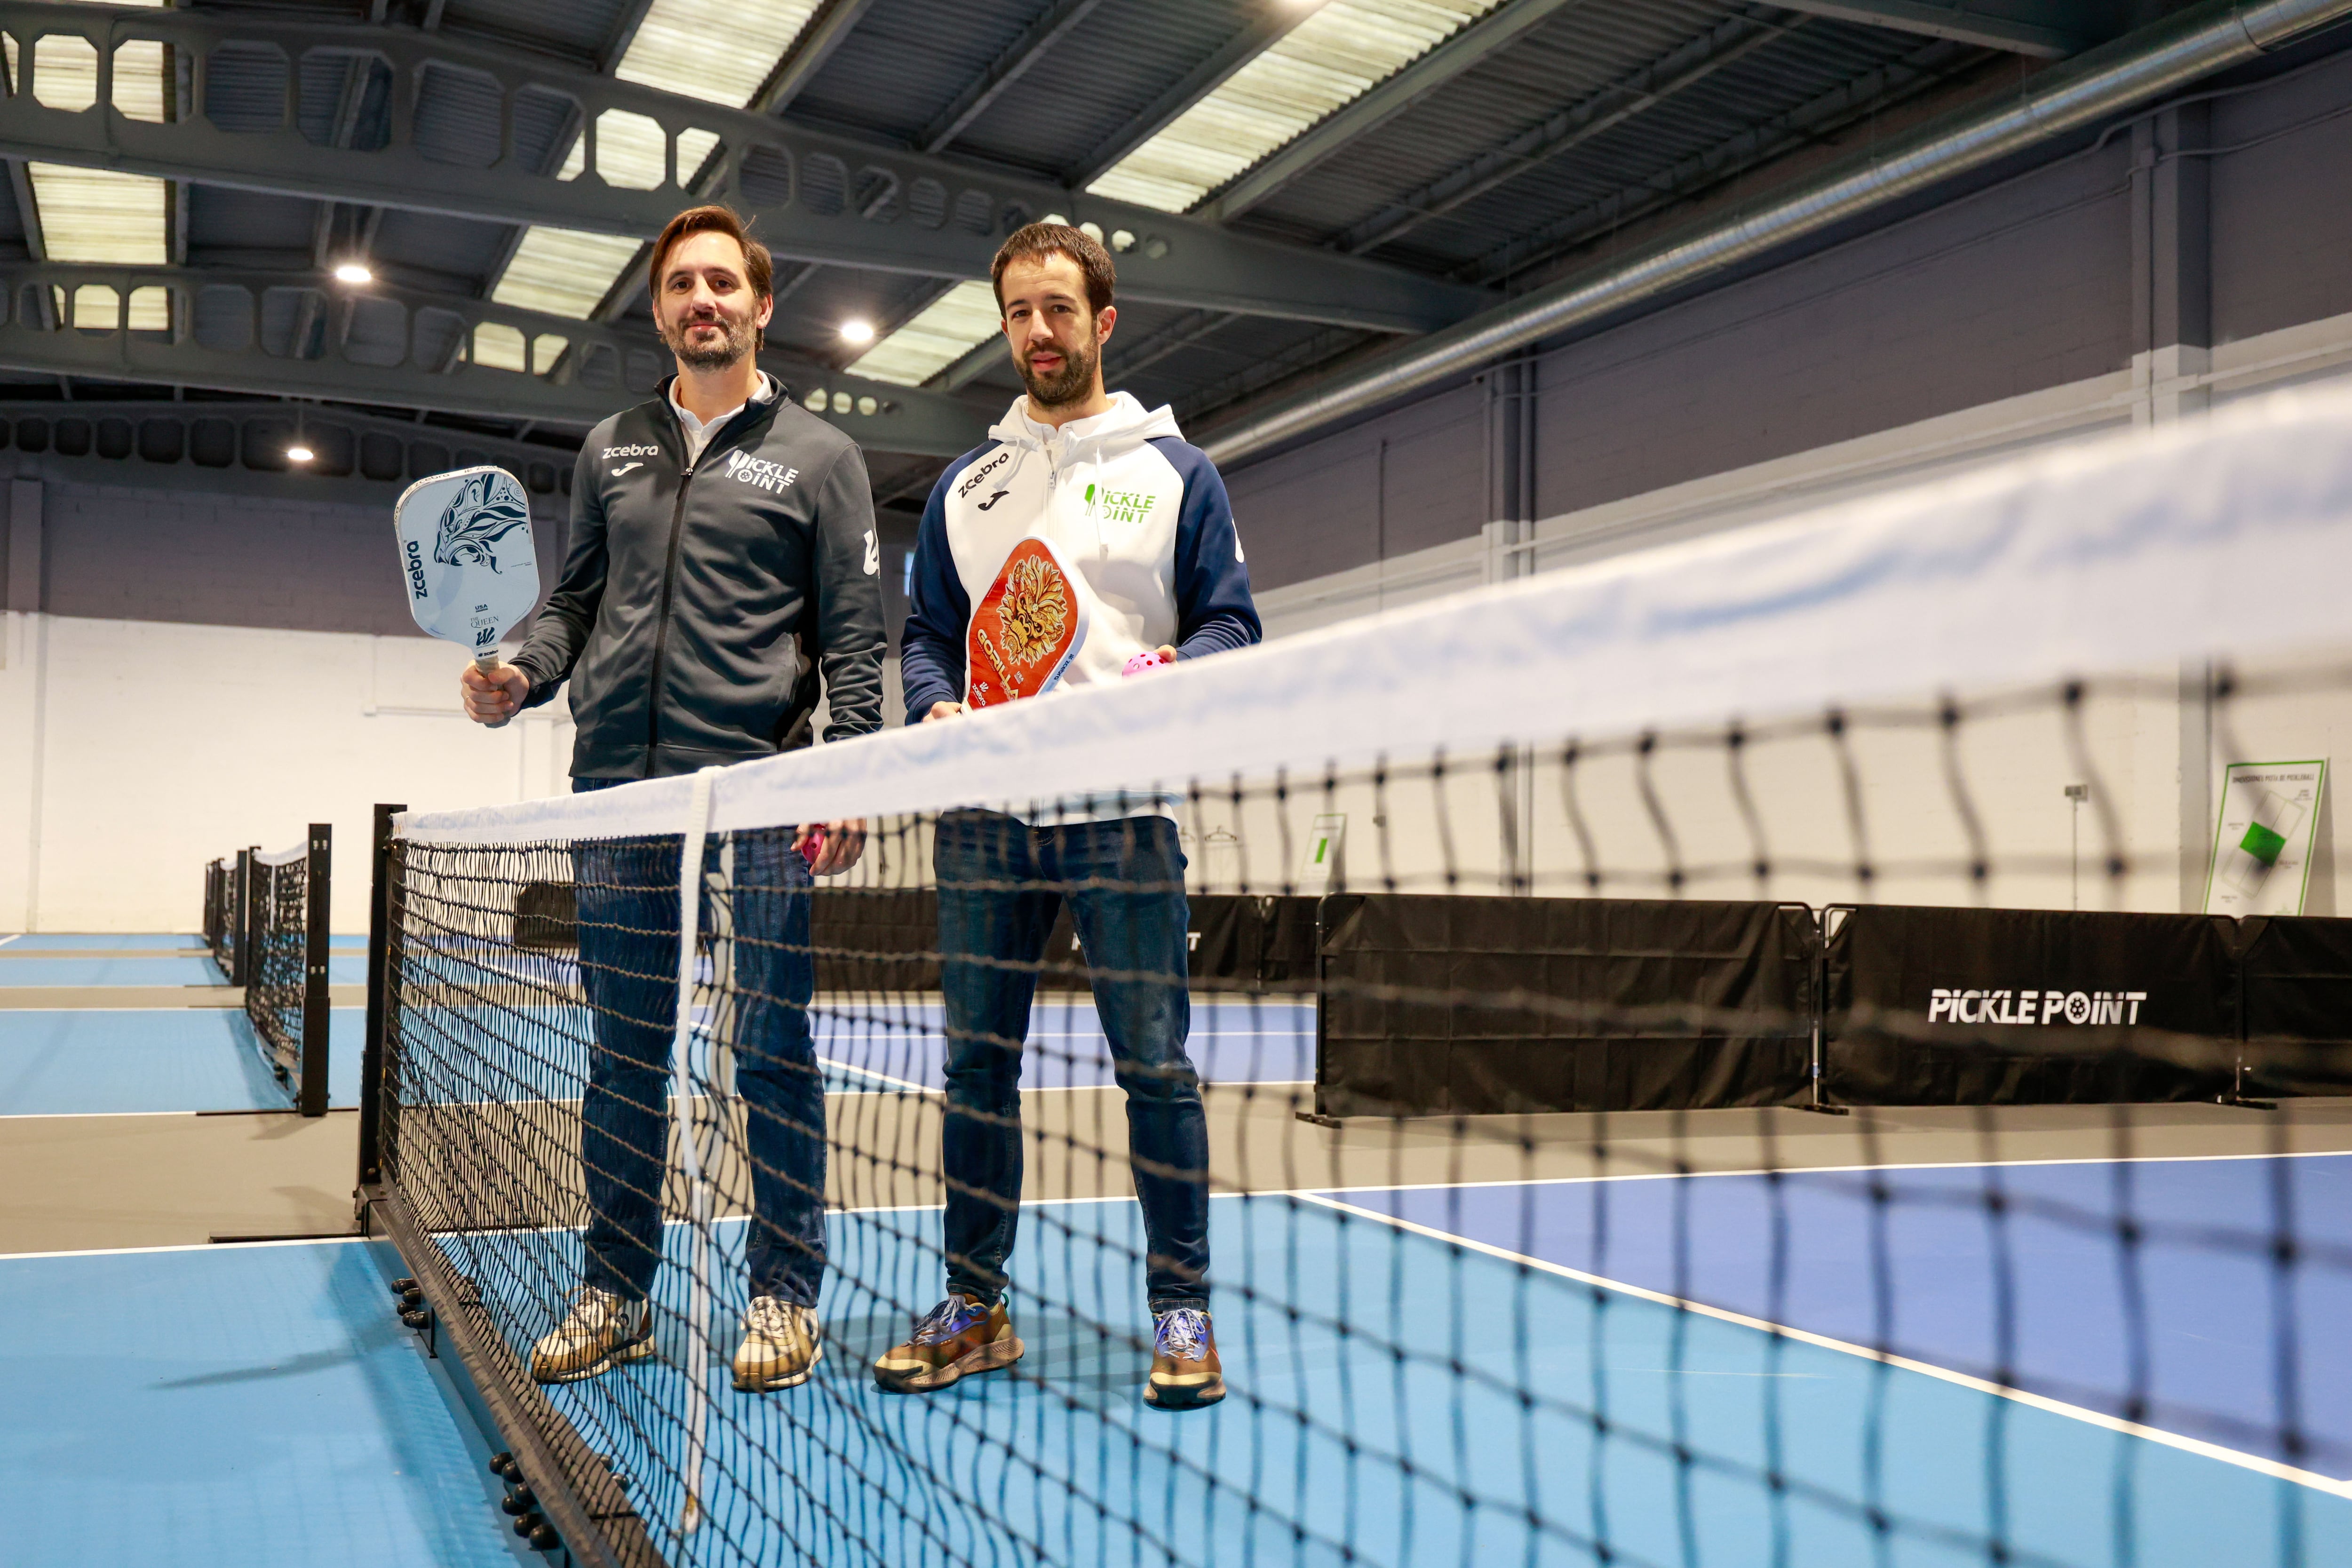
(1143, 662)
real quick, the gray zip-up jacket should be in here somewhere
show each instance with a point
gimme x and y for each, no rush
(697, 604)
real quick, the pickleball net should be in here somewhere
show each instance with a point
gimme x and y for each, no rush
(285, 934)
(1547, 962)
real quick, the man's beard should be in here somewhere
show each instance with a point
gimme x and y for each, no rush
(1068, 384)
(737, 337)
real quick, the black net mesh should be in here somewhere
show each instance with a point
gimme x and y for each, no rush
(1903, 1130)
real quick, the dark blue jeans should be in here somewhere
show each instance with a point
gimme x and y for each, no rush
(628, 907)
(1001, 884)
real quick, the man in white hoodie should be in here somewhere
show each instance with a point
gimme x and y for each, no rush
(1142, 520)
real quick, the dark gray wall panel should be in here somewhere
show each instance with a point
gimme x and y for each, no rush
(1325, 507)
(2022, 289)
(139, 554)
(2282, 207)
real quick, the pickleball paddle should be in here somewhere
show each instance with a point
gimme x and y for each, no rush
(467, 557)
(1027, 629)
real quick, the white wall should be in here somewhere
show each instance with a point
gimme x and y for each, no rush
(131, 753)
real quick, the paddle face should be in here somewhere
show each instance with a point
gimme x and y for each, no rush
(1027, 629)
(465, 554)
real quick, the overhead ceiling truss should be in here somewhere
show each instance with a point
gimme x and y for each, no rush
(818, 197)
(275, 334)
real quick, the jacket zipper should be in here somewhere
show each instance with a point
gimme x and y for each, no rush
(661, 634)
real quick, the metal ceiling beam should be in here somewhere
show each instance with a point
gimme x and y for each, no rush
(233, 332)
(1960, 23)
(1036, 40)
(145, 442)
(1374, 108)
(1728, 41)
(2163, 57)
(1196, 84)
(818, 197)
(820, 36)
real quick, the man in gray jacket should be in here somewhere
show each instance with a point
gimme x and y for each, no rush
(722, 555)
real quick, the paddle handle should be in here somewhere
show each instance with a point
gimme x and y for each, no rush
(487, 661)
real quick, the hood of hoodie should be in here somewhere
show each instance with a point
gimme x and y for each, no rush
(1115, 432)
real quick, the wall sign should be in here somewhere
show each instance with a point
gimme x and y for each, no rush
(2263, 846)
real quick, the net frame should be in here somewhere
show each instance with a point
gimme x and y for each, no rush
(287, 1000)
(2143, 532)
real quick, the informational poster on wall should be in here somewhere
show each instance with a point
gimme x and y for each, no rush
(2269, 831)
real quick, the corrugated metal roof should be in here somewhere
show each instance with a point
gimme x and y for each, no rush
(716, 50)
(1327, 61)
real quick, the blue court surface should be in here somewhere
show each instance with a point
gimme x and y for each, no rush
(205, 1407)
(212, 1406)
(163, 969)
(94, 1062)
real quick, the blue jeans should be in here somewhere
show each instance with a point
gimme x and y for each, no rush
(628, 908)
(1001, 884)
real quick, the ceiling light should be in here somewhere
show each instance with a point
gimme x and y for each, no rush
(298, 454)
(854, 332)
(353, 272)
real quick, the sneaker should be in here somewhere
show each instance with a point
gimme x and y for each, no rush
(1185, 1372)
(958, 1336)
(780, 1346)
(601, 1331)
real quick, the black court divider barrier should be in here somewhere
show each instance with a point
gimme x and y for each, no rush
(2296, 979)
(886, 939)
(1631, 1005)
(2025, 999)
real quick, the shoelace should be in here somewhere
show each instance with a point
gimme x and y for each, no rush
(1183, 1333)
(949, 1319)
(592, 1310)
(770, 1315)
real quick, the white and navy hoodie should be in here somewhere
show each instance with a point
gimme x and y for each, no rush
(1138, 516)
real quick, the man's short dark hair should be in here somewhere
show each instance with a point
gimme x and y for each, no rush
(1037, 241)
(758, 267)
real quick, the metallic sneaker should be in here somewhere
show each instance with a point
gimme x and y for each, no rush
(601, 1331)
(955, 1337)
(780, 1346)
(1185, 1372)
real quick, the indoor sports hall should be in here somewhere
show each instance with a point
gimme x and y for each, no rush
(1204, 784)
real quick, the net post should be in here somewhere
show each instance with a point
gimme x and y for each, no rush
(240, 963)
(311, 1096)
(1319, 1116)
(379, 952)
(1820, 1009)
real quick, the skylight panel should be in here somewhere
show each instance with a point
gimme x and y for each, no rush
(562, 271)
(719, 51)
(1323, 64)
(945, 331)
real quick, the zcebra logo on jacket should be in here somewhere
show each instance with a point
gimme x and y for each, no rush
(639, 450)
(773, 477)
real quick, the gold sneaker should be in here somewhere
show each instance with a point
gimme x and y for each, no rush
(780, 1346)
(601, 1331)
(1185, 1372)
(955, 1337)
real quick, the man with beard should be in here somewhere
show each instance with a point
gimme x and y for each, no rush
(1142, 521)
(722, 554)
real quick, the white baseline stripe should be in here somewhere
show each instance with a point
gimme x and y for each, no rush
(2254, 1462)
(2119, 552)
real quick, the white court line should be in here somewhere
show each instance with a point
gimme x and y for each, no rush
(5, 941)
(1828, 1170)
(2254, 1462)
